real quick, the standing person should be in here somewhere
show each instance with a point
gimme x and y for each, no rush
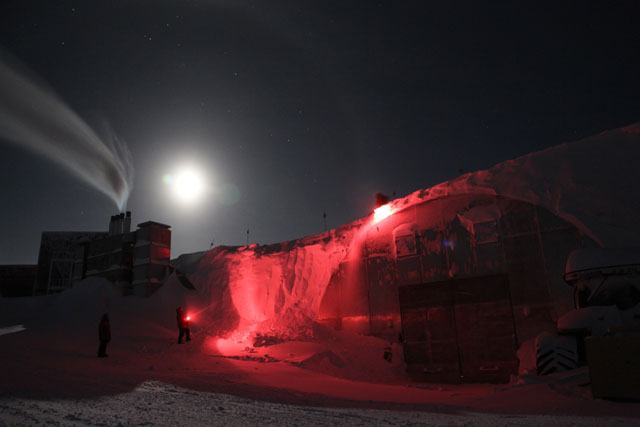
(104, 333)
(183, 325)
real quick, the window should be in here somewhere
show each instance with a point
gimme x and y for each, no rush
(406, 245)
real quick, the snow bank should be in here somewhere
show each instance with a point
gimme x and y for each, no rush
(592, 183)
(187, 263)
(22, 310)
(338, 354)
(70, 310)
(275, 288)
(74, 314)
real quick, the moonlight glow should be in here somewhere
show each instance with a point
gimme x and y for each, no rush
(187, 185)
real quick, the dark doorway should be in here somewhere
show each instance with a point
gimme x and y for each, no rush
(459, 330)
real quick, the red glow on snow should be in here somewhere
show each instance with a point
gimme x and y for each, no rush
(226, 347)
(381, 213)
(251, 298)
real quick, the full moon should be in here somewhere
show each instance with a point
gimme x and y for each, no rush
(188, 184)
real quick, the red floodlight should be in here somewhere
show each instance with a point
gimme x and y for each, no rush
(381, 213)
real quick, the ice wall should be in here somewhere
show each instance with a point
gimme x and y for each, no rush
(273, 288)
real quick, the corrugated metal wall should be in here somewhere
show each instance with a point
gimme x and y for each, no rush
(464, 279)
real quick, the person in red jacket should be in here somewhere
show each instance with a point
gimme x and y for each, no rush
(183, 325)
(104, 333)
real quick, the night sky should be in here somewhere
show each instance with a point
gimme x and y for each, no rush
(296, 108)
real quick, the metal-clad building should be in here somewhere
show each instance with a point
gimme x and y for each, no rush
(57, 258)
(463, 281)
(151, 257)
(136, 261)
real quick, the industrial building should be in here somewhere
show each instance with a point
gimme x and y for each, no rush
(462, 281)
(135, 261)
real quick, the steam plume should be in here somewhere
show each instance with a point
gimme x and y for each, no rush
(33, 117)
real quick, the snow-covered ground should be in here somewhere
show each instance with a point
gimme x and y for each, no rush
(49, 374)
(157, 403)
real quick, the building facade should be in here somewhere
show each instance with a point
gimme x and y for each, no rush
(135, 261)
(462, 281)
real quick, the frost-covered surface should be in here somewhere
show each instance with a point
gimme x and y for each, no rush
(158, 403)
(50, 375)
(275, 289)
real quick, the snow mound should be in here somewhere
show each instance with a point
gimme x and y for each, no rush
(326, 362)
(22, 310)
(592, 183)
(72, 309)
(188, 263)
(356, 357)
(74, 314)
(293, 325)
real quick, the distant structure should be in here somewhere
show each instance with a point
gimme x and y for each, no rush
(136, 261)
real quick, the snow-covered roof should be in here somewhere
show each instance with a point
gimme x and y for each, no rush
(593, 183)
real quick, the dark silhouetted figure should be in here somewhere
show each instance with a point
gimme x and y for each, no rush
(104, 332)
(183, 325)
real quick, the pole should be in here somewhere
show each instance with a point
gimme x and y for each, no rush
(324, 216)
(247, 237)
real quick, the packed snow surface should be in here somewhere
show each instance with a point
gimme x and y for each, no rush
(158, 403)
(49, 374)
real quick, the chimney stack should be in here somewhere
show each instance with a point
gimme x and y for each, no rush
(126, 225)
(112, 225)
(118, 223)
